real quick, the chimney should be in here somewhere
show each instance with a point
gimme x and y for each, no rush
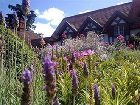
(135, 9)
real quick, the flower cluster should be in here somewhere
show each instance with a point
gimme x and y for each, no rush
(26, 76)
(120, 38)
(96, 94)
(74, 82)
(50, 77)
(113, 91)
(85, 47)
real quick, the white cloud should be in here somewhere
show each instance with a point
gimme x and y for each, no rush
(37, 12)
(52, 16)
(46, 29)
(84, 11)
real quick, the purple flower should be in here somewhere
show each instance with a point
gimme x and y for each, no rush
(96, 94)
(26, 76)
(120, 38)
(49, 69)
(50, 77)
(85, 70)
(74, 82)
(113, 91)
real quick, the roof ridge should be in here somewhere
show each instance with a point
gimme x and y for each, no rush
(98, 10)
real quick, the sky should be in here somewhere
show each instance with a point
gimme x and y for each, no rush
(51, 12)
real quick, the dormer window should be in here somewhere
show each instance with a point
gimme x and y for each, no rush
(118, 27)
(119, 30)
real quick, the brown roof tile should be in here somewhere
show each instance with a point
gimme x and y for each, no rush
(101, 16)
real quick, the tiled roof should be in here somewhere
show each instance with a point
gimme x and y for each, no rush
(101, 16)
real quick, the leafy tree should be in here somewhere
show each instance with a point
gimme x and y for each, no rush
(20, 14)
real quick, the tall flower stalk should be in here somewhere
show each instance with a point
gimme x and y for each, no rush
(85, 70)
(74, 85)
(113, 92)
(26, 78)
(96, 95)
(50, 79)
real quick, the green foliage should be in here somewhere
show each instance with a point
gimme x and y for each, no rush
(121, 69)
(16, 56)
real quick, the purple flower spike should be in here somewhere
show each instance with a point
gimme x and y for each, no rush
(85, 70)
(113, 91)
(96, 94)
(26, 76)
(50, 77)
(49, 69)
(73, 58)
(74, 83)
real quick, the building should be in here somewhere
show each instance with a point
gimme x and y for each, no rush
(121, 19)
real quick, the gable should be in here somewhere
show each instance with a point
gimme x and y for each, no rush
(117, 18)
(89, 25)
(67, 29)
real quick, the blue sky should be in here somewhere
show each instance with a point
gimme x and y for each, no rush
(51, 12)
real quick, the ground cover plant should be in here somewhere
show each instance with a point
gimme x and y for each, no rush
(88, 75)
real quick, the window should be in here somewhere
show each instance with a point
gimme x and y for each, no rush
(105, 38)
(118, 27)
(110, 39)
(119, 30)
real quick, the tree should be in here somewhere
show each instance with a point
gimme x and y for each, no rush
(20, 14)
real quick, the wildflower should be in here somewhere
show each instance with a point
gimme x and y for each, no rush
(96, 94)
(74, 82)
(85, 70)
(113, 92)
(26, 76)
(89, 52)
(103, 56)
(131, 46)
(120, 38)
(50, 78)
(25, 7)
